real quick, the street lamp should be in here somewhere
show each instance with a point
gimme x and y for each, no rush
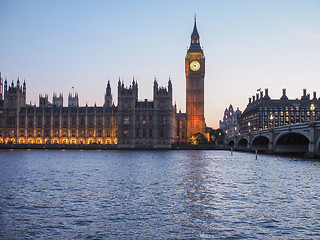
(312, 108)
(271, 119)
(249, 124)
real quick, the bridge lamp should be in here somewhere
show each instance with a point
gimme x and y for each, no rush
(271, 119)
(312, 108)
(249, 124)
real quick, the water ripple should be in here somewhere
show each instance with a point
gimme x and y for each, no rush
(157, 195)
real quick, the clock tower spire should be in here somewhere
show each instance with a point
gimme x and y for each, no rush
(195, 71)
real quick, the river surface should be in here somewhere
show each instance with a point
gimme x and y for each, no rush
(157, 195)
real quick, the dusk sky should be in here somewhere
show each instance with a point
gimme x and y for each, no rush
(249, 44)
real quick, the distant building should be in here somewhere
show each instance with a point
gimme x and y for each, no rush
(263, 112)
(230, 124)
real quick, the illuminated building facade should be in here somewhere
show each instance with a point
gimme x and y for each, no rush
(263, 112)
(131, 124)
(195, 70)
(52, 123)
(192, 122)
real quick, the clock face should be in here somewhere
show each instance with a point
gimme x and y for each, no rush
(194, 65)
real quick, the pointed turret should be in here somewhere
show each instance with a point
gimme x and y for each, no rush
(5, 85)
(170, 87)
(195, 39)
(108, 89)
(24, 86)
(108, 96)
(195, 34)
(133, 82)
(1, 88)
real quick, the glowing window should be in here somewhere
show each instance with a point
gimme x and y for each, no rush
(126, 120)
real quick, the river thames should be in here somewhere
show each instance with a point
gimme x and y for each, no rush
(157, 195)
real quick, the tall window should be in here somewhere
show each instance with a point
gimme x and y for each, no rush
(126, 120)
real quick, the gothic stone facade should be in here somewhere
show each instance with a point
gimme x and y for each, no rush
(52, 123)
(146, 124)
(133, 123)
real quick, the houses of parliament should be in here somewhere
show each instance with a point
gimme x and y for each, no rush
(131, 124)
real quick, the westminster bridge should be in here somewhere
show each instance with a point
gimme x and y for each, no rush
(296, 138)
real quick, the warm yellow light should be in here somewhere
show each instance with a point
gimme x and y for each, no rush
(195, 55)
(194, 140)
(312, 107)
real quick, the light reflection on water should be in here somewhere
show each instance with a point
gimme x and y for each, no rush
(157, 195)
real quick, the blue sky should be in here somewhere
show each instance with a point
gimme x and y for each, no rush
(248, 44)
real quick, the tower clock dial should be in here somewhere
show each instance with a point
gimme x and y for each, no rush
(194, 66)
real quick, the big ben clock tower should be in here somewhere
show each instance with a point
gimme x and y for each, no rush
(195, 70)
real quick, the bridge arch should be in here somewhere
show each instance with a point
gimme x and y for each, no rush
(292, 142)
(242, 143)
(288, 132)
(260, 142)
